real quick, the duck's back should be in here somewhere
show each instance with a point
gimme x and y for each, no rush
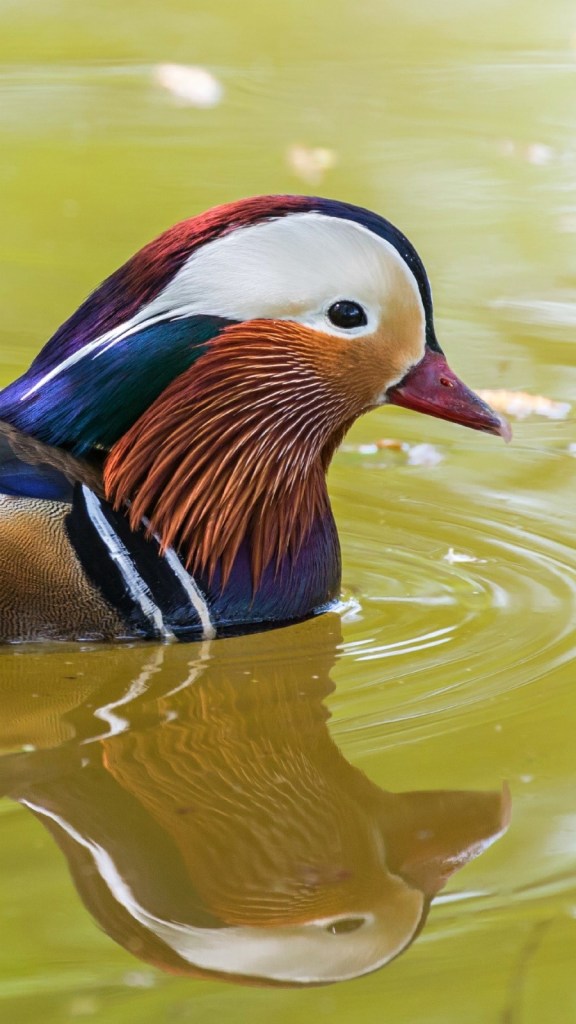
(71, 567)
(44, 591)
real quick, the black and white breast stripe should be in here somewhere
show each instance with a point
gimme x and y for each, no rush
(153, 592)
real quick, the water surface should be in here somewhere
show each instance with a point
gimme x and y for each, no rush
(451, 670)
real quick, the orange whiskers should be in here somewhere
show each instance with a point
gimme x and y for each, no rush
(238, 445)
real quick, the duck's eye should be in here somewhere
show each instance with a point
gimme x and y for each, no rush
(347, 314)
(344, 925)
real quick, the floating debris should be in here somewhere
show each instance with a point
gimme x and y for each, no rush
(521, 404)
(424, 455)
(310, 163)
(392, 444)
(190, 86)
(537, 153)
(455, 557)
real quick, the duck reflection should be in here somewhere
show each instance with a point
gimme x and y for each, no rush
(210, 822)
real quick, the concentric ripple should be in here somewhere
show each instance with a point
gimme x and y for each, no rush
(463, 598)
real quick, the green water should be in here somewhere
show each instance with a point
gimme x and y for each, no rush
(456, 121)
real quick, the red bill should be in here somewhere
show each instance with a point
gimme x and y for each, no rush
(432, 387)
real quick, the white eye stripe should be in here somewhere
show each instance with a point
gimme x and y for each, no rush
(292, 268)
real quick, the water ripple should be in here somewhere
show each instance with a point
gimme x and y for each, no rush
(455, 633)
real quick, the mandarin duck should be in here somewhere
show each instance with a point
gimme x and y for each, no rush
(163, 460)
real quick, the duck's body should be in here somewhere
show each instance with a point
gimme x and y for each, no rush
(163, 460)
(72, 567)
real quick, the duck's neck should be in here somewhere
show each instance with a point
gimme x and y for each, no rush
(302, 584)
(228, 467)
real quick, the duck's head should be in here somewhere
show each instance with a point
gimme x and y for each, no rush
(222, 364)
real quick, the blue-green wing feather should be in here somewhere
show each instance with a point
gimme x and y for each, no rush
(94, 400)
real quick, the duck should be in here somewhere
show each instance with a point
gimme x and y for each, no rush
(163, 459)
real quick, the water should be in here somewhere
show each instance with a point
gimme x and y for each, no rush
(451, 666)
